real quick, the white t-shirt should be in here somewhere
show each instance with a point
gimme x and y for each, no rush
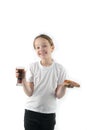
(45, 81)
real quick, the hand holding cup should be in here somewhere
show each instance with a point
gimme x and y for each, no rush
(20, 74)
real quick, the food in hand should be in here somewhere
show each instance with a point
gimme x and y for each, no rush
(71, 84)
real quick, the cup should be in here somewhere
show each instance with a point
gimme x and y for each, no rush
(20, 71)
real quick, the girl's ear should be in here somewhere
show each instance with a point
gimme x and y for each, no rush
(52, 47)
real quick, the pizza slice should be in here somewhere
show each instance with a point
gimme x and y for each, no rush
(71, 84)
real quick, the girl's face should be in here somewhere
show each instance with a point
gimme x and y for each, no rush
(43, 48)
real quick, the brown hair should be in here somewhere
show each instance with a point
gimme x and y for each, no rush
(45, 37)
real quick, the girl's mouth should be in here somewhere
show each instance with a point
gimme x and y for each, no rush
(43, 53)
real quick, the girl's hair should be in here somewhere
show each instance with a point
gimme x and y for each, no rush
(45, 37)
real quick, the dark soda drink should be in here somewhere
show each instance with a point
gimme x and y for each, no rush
(20, 71)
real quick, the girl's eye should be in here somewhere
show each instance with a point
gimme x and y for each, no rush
(44, 46)
(37, 47)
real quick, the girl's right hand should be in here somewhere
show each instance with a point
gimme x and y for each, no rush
(17, 74)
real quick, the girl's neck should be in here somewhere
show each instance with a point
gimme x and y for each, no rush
(46, 62)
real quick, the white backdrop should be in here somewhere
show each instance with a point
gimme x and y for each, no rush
(66, 22)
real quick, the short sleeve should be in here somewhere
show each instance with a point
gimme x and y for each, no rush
(62, 75)
(29, 74)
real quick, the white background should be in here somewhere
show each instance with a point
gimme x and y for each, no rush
(66, 22)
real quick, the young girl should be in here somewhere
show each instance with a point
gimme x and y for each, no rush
(44, 84)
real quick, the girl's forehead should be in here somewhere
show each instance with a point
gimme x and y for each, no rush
(41, 41)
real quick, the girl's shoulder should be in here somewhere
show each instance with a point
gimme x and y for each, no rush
(59, 67)
(33, 65)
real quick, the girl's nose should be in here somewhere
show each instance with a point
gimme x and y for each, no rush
(41, 48)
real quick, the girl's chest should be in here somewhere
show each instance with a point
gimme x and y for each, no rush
(45, 76)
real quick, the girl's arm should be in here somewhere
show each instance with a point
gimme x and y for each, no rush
(28, 87)
(60, 90)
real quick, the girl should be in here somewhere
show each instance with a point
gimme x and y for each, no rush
(43, 82)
